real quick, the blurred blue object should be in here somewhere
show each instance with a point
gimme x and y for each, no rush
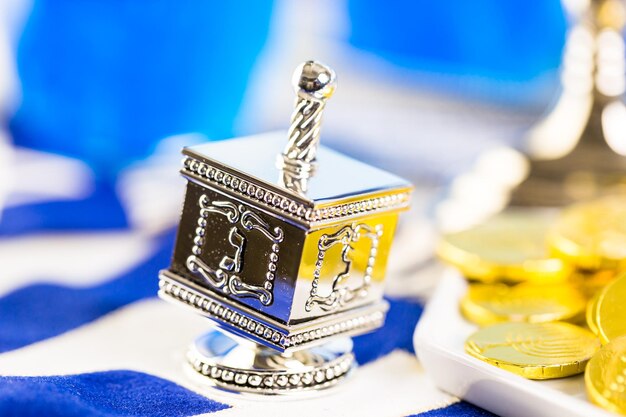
(117, 393)
(105, 80)
(101, 210)
(514, 40)
(81, 305)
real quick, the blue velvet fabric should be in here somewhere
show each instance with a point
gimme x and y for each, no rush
(460, 409)
(101, 210)
(104, 80)
(26, 319)
(397, 333)
(100, 394)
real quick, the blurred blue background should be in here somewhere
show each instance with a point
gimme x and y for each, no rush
(104, 81)
(513, 40)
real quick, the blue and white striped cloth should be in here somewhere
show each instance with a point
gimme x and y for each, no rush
(82, 333)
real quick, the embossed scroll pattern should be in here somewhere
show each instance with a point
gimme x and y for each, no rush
(340, 293)
(226, 276)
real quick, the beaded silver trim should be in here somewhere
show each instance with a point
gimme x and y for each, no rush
(264, 332)
(290, 207)
(272, 382)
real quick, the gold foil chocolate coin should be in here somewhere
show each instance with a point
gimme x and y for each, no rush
(591, 283)
(486, 304)
(510, 247)
(592, 313)
(605, 377)
(592, 235)
(611, 311)
(534, 350)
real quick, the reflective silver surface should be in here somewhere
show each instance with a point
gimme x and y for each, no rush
(314, 83)
(237, 366)
(284, 259)
(338, 177)
(252, 324)
(578, 151)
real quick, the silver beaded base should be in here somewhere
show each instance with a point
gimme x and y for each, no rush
(245, 367)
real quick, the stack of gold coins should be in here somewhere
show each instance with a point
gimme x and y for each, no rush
(549, 292)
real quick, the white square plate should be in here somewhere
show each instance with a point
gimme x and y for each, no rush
(439, 340)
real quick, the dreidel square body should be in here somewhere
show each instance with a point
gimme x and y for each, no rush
(285, 269)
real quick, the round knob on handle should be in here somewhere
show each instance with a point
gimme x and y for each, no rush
(314, 83)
